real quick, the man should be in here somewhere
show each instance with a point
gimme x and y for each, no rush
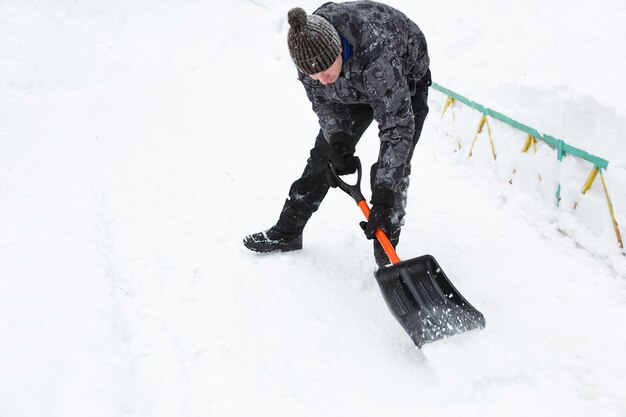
(357, 61)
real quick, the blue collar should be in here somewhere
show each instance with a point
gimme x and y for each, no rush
(347, 49)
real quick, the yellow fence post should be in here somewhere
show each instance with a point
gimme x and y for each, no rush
(608, 201)
(530, 140)
(449, 103)
(481, 124)
(590, 179)
(588, 183)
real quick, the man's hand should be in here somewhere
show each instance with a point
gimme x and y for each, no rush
(342, 158)
(380, 216)
(381, 213)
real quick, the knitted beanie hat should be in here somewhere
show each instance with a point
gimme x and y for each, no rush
(313, 42)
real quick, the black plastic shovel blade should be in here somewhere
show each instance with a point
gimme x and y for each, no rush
(425, 302)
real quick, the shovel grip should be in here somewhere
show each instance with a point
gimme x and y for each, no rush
(380, 235)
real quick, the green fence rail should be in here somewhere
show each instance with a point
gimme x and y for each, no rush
(559, 145)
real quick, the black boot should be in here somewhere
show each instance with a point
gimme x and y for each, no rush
(285, 236)
(273, 240)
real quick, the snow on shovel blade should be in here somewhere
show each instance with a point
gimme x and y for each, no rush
(425, 302)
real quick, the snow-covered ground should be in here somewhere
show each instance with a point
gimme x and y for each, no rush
(140, 141)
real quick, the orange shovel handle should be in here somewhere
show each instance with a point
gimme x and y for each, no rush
(354, 191)
(380, 235)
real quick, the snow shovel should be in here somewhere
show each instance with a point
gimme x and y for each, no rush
(418, 293)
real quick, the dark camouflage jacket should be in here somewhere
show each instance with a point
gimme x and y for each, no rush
(389, 57)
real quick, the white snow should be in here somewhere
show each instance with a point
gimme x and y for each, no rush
(141, 141)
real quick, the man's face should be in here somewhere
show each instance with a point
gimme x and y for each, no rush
(331, 74)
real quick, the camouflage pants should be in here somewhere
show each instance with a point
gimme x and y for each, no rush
(307, 193)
